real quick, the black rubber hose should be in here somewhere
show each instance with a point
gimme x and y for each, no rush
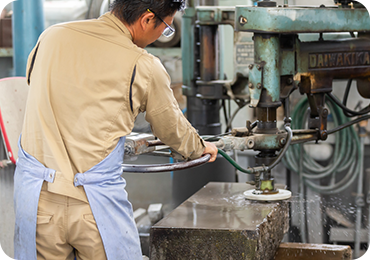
(346, 109)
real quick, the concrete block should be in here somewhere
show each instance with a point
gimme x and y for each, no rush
(218, 222)
(155, 212)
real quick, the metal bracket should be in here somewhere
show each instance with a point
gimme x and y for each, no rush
(211, 15)
(318, 114)
(211, 89)
(255, 83)
(253, 141)
(138, 144)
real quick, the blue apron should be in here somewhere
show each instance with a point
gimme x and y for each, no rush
(105, 191)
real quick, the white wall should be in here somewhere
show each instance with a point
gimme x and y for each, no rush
(7, 4)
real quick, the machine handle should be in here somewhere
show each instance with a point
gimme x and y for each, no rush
(167, 167)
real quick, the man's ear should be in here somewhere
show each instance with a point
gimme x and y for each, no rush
(146, 19)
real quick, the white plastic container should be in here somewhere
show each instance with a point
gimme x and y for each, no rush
(59, 11)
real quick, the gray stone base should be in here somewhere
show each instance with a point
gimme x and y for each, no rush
(217, 222)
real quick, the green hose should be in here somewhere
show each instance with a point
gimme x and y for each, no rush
(344, 157)
(230, 160)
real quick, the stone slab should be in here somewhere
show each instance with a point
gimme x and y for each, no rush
(218, 222)
(299, 251)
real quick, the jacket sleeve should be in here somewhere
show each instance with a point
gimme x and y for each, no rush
(32, 56)
(165, 117)
(31, 61)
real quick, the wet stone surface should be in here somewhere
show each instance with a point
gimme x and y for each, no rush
(218, 222)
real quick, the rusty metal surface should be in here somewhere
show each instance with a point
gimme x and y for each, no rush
(341, 59)
(267, 56)
(266, 141)
(155, 143)
(218, 222)
(254, 141)
(138, 143)
(301, 20)
(208, 54)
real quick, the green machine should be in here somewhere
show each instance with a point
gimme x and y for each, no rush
(277, 50)
(281, 62)
(272, 58)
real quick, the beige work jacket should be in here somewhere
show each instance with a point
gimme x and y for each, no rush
(82, 100)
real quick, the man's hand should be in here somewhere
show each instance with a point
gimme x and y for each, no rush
(212, 150)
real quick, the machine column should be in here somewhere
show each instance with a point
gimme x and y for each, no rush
(266, 55)
(203, 112)
(267, 59)
(28, 24)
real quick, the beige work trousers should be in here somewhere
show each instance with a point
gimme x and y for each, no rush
(66, 228)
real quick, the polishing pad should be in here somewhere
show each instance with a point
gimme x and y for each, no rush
(281, 195)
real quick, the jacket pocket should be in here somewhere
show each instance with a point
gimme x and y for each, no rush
(89, 218)
(44, 218)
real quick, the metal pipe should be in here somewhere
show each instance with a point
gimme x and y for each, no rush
(28, 24)
(155, 143)
(355, 121)
(208, 52)
(187, 43)
(304, 138)
(203, 114)
(302, 197)
(168, 167)
(359, 199)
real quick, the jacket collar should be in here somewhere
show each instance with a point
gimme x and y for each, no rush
(112, 19)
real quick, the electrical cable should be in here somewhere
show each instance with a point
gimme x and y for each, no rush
(229, 122)
(349, 112)
(344, 157)
(223, 104)
(229, 107)
(232, 117)
(345, 96)
(355, 121)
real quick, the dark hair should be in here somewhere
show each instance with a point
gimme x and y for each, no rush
(130, 10)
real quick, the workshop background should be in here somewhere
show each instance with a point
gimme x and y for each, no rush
(323, 210)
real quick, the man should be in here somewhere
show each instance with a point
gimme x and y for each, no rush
(88, 81)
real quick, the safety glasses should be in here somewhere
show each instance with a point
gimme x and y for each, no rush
(169, 31)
